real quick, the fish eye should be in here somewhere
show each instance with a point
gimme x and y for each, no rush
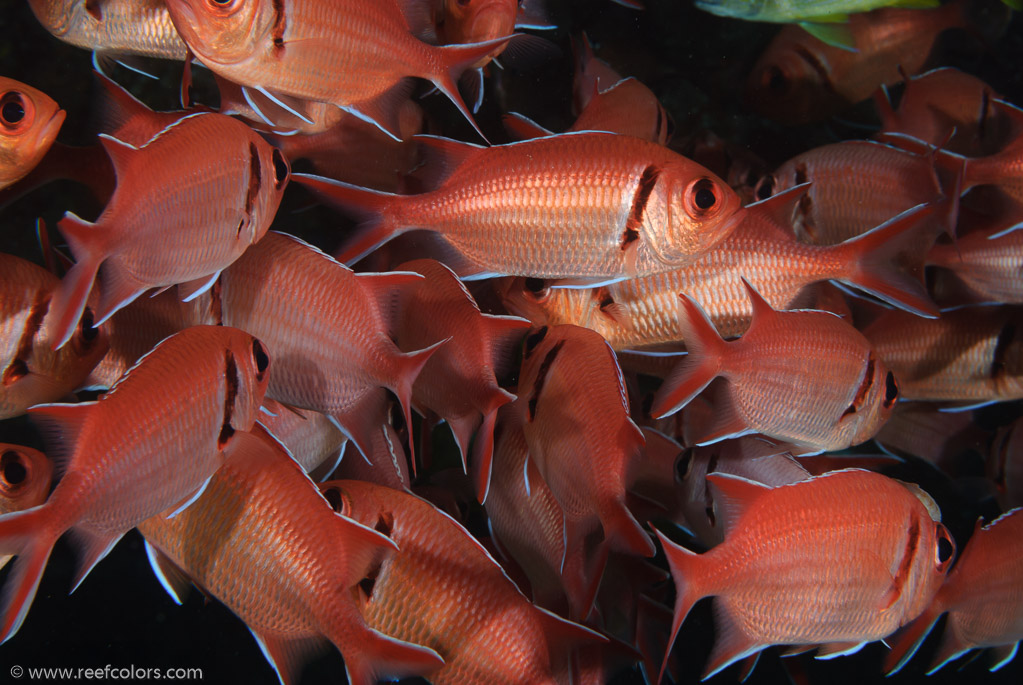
(891, 390)
(12, 469)
(261, 357)
(765, 187)
(701, 197)
(537, 288)
(223, 7)
(684, 465)
(534, 339)
(14, 110)
(774, 80)
(945, 549)
(334, 498)
(281, 169)
(86, 326)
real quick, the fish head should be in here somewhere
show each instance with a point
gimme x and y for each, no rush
(25, 476)
(475, 21)
(694, 212)
(29, 123)
(223, 31)
(543, 305)
(275, 167)
(930, 551)
(790, 83)
(872, 402)
(246, 384)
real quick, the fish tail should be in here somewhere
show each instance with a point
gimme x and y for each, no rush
(907, 641)
(888, 261)
(483, 448)
(410, 364)
(624, 533)
(703, 363)
(28, 535)
(70, 297)
(380, 657)
(452, 61)
(684, 569)
(372, 207)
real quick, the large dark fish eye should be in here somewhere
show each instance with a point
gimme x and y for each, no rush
(536, 287)
(87, 327)
(775, 80)
(261, 357)
(534, 339)
(12, 108)
(891, 390)
(281, 169)
(12, 469)
(702, 197)
(334, 498)
(946, 548)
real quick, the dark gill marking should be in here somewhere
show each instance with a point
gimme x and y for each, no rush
(230, 394)
(280, 24)
(647, 181)
(906, 563)
(255, 182)
(1005, 338)
(18, 366)
(818, 67)
(708, 500)
(541, 377)
(861, 392)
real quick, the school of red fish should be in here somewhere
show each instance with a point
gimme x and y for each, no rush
(388, 367)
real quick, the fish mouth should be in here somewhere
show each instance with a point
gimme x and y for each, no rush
(48, 132)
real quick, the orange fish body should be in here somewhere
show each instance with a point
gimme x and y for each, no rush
(856, 185)
(531, 528)
(983, 596)
(31, 372)
(137, 27)
(838, 560)
(326, 327)
(943, 100)
(1003, 169)
(582, 445)
(987, 262)
(590, 205)
(139, 326)
(264, 542)
(504, 639)
(29, 123)
(25, 476)
(311, 439)
(971, 355)
(219, 187)
(475, 21)
(149, 444)
(643, 311)
(458, 382)
(800, 79)
(846, 393)
(314, 50)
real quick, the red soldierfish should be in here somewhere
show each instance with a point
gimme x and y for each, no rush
(577, 205)
(327, 327)
(29, 123)
(136, 27)
(458, 383)
(318, 50)
(886, 261)
(972, 355)
(983, 596)
(150, 444)
(264, 542)
(844, 390)
(987, 262)
(25, 476)
(587, 467)
(31, 372)
(421, 592)
(837, 560)
(219, 187)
